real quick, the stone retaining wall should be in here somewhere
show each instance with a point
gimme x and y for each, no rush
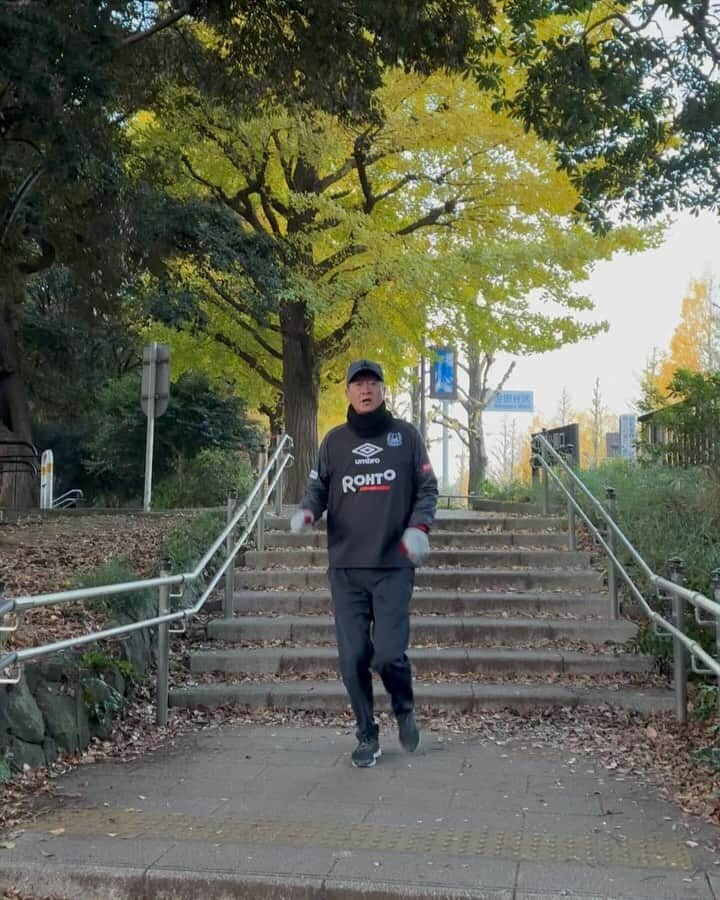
(60, 704)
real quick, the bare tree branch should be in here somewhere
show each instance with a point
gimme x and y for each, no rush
(138, 36)
(225, 295)
(431, 218)
(332, 343)
(214, 189)
(330, 262)
(246, 357)
(267, 206)
(23, 192)
(462, 431)
(489, 399)
(359, 155)
(324, 183)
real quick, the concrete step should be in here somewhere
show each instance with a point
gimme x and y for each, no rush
(536, 559)
(457, 521)
(425, 661)
(427, 629)
(510, 507)
(466, 579)
(468, 602)
(285, 540)
(330, 696)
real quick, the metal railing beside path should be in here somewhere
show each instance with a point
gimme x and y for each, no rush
(685, 648)
(269, 483)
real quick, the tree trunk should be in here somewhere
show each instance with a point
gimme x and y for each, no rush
(276, 417)
(301, 393)
(415, 389)
(19, 484)
(478, 459)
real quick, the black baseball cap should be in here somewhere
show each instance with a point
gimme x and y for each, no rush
(364, 365)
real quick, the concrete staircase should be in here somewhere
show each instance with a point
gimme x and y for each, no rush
(503, 616)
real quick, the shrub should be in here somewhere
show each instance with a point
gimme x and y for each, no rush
(205, 480)
(186, 544)
(666, 512)
(198, 417)
(114, 571)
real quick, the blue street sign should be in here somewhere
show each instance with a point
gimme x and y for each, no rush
(443, 374)
(511, 402)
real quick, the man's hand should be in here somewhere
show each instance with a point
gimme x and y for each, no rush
(415, 545)
(301, 520)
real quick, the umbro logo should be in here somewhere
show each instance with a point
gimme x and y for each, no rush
(367, 453)
(367, 450)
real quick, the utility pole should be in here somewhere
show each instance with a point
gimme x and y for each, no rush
(423, 417)
(445, 448)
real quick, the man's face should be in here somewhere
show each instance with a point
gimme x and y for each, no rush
(365, 393)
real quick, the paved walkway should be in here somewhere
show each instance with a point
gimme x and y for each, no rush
(280, 813)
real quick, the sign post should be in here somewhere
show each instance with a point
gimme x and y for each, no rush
(154, 397)
(47, 479)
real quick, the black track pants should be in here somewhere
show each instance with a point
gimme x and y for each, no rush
(372, 626)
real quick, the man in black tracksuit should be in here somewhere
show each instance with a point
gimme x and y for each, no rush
(375, 479)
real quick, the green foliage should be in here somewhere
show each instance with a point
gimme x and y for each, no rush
(707, 756)
(5, 770)
(114, 571)
(103, 711)
(515, 491)
(705, 707)
(666, 512)
(689, 422)
(198, 417)
(71, 349)
(96, 661)
(630, 101)
(67, 441)
(205, 480)
(649, 643)
(188, 543)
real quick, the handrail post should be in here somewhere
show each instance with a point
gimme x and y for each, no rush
(716, 597)
(677, 575)
(545, 488)
(572, 532)
(228, 599)
(611, 506)
(163, 664)
(545, 477)
(260, 524)
(279, 488)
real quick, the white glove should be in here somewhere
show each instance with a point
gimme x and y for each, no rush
(301, 520)
(416, 545)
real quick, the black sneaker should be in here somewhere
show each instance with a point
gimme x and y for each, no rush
(408, 732)
(366, 753)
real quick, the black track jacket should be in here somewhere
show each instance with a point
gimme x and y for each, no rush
(373, 489)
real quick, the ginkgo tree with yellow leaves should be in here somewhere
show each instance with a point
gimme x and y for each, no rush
(695, 343)
(303, 238)
(518, 294)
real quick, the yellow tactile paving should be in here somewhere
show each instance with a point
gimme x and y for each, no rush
(596, 849)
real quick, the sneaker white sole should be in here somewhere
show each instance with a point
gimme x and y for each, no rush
(376, 757)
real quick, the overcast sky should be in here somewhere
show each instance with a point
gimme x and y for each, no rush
(640, 295)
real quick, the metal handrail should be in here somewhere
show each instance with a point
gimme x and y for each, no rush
(69, 498)
(659, 582)
(278, 462)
